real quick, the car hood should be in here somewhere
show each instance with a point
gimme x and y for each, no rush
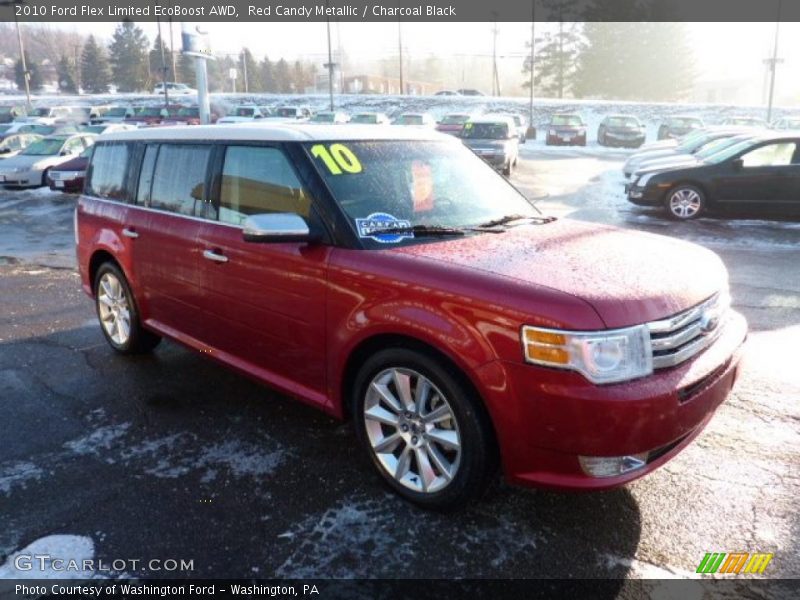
(663, 164)
(26, 160)
(629, 277)
(624, 130)
(485, 143)
(75, 164)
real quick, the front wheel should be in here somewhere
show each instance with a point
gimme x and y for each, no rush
(423, 429)
(685, 202)
(118, 314)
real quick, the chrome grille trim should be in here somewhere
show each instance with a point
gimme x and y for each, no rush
(682, 336)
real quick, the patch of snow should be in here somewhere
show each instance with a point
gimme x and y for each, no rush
(56, 547)
(17, 474)
(103, 438)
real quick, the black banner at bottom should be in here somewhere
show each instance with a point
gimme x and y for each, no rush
(411, 589)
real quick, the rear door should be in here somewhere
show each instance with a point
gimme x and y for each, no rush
(164, 225)
(265, 302)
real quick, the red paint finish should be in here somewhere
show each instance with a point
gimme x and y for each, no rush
(292, 314)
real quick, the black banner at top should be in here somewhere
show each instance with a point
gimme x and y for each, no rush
(400, 10)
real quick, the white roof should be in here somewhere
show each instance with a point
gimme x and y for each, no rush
(277, 132)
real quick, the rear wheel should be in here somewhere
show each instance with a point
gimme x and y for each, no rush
(423, 429)
(118, 314)
(685, 202)
(508, 168)
(45, 173)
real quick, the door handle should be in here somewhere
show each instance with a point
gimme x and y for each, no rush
(130, 232)
(215, 256)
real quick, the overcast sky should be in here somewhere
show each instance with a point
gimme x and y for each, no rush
(723, 50)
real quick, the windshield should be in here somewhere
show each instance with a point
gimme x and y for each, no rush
(245, 112)
(4, 128)
(149, 112)
(691, 145)
(485, 131)
(454, 119)
(5, 110)
(730, 151)
(566, 120)
(372, 119)
(45, 147)
(42, 112)
(94, 129)
(189, 112)
(712, 148)
(116, 112)
(409, 120)
(286, 112)
(42, 129)
(623, 122)
(384, 184)
(324, 118)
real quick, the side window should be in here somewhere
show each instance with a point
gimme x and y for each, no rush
(771, 155)
(179, 178)
(108, 171)
(259, 180)
(146, 175)
(73, 146)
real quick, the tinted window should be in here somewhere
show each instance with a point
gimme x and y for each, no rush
(179, 178)
(146, 175)
(109, 168)
(566, 120)
(485, 131)
(259, 180)
(771, 155)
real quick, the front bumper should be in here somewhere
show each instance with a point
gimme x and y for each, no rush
(546, 418)
(21, 178)
(566, 138)
(624, 140)
(498, 160)
(644, 196)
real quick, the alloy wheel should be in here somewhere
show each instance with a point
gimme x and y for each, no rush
(685, 203)
(412, 430)
(114, 308)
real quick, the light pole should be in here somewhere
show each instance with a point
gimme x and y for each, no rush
(400, 49)
(163, 65)
(330, 64)
(533, 39)
(25, 74)
(773, 62)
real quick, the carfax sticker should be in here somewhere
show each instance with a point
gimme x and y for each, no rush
(377, 221)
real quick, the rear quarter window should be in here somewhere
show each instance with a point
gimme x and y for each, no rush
(108, 171)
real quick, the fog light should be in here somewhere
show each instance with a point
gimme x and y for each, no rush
(610, 466)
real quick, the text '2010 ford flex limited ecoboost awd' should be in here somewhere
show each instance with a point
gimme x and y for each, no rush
(392, 277)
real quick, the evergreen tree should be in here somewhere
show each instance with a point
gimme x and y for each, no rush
(34, 75)
(67, 76)
(95, 75)
(283, 78)
(129, 57)
(268, 76)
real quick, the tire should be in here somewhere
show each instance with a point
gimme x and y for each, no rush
(685, 202)
(44, 177)
(114, 302)
(460, 456)
(508, 168)
(601, 138)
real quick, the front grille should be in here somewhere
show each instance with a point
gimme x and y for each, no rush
(682, 336)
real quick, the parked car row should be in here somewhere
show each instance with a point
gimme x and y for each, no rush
(719, 169)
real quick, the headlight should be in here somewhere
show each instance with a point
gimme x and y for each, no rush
(644, 179)
(601, 356)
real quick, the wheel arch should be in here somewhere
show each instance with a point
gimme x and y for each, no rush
(381, 341)
(98, 258)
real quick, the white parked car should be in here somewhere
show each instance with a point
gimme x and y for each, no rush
(29, 167)
(245, 114)
(46, 115)
(292, 112)
(370, 118)
(12, 144)
(176, 89)
(115, 114)
(329, 117)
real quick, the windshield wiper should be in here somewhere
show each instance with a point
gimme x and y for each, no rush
(511, 218)
(420, 230)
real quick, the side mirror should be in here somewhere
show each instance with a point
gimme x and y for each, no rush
(737, 164)
(276, 228)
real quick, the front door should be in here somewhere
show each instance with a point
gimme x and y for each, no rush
(266, 301)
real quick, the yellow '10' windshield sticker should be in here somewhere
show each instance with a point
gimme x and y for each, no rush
(338, 158)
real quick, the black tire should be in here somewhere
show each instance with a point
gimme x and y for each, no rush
(508, 168)
(685, 202)
(139, 340)
(601, 138)
(478, 455)
(44, 177)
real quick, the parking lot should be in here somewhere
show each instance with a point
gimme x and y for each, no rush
(170, 456)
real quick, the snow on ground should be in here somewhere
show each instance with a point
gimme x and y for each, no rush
(56, 547)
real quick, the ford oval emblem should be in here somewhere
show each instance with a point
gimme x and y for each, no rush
(708, 323)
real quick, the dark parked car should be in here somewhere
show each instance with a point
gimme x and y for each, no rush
(452, 123)
(621, 130)
(68, 177)
(495, 140)
(566, 130)
(759, 174)
(9, 113)
(469, 92)
(676, 127)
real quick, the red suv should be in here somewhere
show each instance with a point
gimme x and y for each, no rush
(390, 276)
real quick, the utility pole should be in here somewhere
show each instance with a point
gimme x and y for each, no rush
(533, 39)
(25, 74)
(773, 62)
(172, 46)
(244, 70)
(163, 65)
(400, 53)
(495, 76)
(330, 64)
